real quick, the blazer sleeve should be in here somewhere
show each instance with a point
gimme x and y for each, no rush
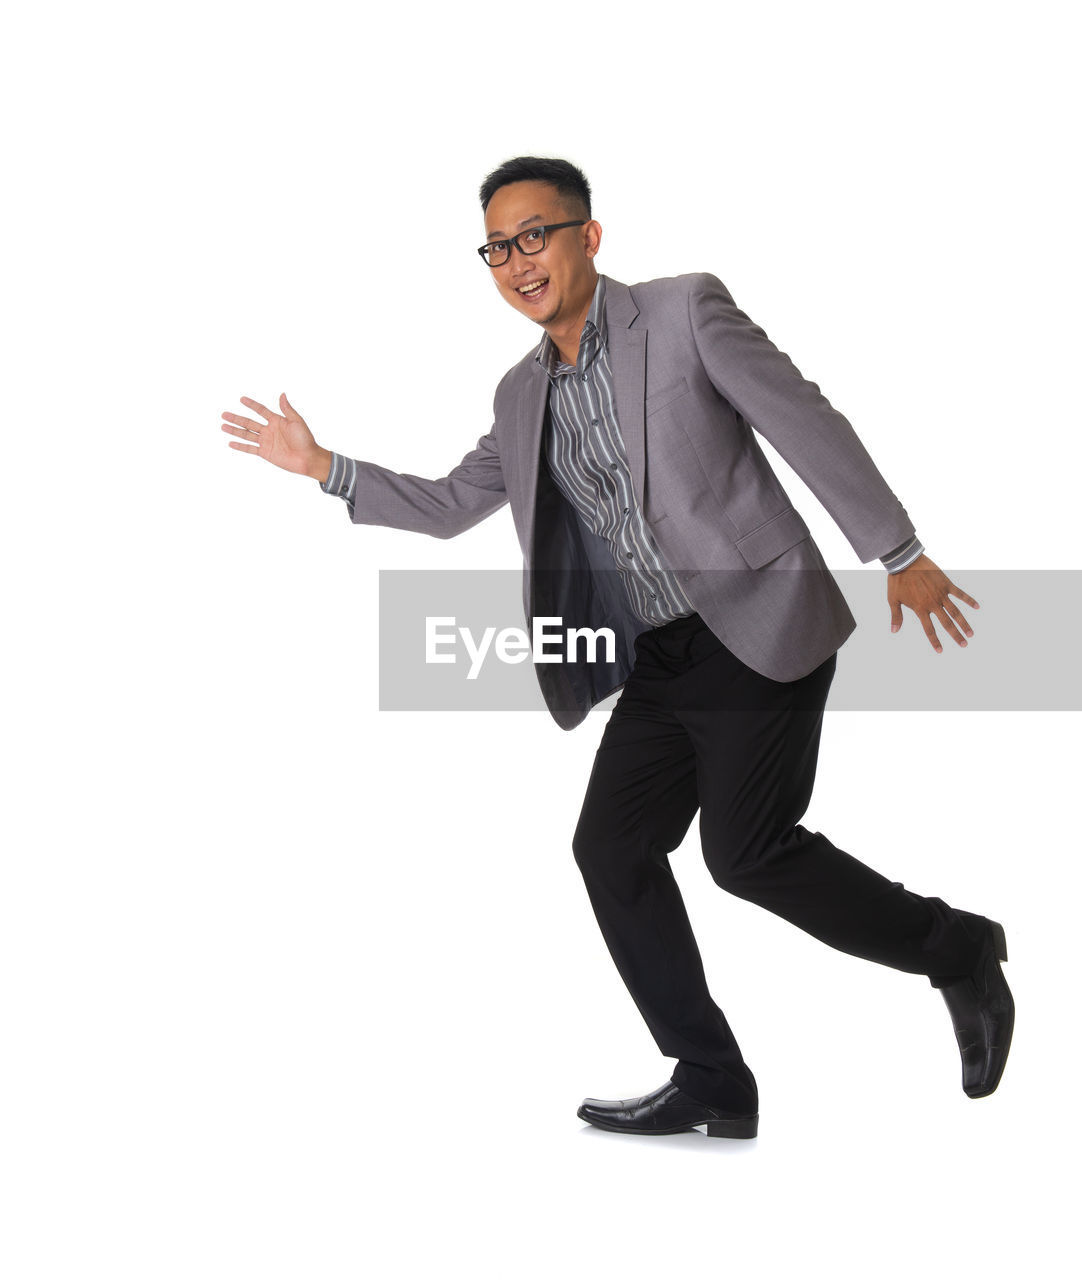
(769, 392)
(441, 508)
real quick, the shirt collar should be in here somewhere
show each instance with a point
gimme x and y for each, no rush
(594, 336)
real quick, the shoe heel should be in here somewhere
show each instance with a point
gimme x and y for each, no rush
(742, 1127)
(999, 941)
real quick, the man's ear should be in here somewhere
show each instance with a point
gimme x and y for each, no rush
(591, 237)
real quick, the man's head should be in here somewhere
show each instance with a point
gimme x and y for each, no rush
(521, 197)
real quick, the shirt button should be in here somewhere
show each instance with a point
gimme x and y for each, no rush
(594, 422)
(612, 466)
(585, 377)
(626, 510)
(630, 556)
(653, 595)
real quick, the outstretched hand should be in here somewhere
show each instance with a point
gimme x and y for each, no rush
(284, 439)
(926, 589)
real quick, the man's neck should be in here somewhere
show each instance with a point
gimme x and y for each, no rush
(567, 335)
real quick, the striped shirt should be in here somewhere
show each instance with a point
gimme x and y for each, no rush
(588, 460)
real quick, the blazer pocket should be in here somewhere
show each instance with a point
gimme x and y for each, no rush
(769, 540)
(666, 396)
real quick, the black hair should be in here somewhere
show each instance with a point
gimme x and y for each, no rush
(568, 180)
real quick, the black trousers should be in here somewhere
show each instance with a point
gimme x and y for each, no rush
(696, 729)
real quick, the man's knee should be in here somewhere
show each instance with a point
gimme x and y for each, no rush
(739, 861)
(581, 847)
(597, 851)
(604, 853)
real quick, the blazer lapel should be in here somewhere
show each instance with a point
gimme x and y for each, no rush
(627, 355)
(532, 404)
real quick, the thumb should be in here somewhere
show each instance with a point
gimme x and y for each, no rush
(895, 616)
(287, 408)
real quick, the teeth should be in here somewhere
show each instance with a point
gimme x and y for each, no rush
(532, 288)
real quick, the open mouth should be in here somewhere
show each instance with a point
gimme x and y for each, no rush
(535, 290)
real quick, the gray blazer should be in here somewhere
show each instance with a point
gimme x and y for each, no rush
(693, 375)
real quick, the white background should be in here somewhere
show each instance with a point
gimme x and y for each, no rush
(293, 988)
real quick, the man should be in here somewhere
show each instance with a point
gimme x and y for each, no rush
(624, 443)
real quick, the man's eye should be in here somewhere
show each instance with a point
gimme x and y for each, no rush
(498, 246)
(532, 237)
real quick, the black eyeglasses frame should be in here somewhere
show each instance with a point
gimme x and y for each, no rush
(513, 240)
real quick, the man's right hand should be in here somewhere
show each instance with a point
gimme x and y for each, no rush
(283, 439)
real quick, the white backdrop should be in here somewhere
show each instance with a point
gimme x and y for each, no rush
(295, 988)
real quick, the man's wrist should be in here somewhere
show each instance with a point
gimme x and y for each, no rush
(902, 556)
(319, 466)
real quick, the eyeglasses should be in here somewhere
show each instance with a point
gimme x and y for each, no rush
(532, 240)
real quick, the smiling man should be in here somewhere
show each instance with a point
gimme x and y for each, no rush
(625, 443)
(553, 288)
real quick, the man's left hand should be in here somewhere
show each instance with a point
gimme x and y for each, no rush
(926, 589)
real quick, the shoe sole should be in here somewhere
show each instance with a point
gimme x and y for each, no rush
(738, 1127)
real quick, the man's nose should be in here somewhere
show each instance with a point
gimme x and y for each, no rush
(520, 261)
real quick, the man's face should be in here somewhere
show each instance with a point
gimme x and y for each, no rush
(560, 280)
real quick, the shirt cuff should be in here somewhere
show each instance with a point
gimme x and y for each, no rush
(342, 480)
(902, 557)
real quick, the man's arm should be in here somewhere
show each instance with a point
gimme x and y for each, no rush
(769, 392)
(441, 508)
(818, 442)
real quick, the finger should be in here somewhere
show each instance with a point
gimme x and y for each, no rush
(896, 616)
(259, 408)
(958, 616)
(957, 591)
(930, 632)
(243, 432)
(247, 423)
(246, 448)
(950, 628)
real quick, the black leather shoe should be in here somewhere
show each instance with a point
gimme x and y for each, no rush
(982, 1010)
(666, 1110)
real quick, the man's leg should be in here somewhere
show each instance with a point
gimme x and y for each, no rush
(697, 726)
(756, 744)
(642, 796)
